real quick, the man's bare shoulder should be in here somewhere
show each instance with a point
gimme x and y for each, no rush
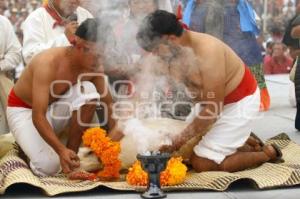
(204, 44)
(47, 62)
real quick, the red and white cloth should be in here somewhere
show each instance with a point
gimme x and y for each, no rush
(233, 126)
(43, 159)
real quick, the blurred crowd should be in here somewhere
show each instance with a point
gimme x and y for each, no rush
(17, 11)
(279, 13)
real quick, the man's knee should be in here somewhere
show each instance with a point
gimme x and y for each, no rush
(46, 166)
(204, 165)
(200, 164)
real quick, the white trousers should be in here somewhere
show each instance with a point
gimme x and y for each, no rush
(231, 130)
(43, 159)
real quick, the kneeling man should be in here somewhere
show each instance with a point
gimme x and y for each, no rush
(226, 93)
(60, 87)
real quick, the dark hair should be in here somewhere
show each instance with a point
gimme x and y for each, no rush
(269, 44)
(155, 25)
(94, 30)
(88, 30)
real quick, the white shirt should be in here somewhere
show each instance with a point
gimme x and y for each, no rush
(40, 35)
(10, 47)
(165, 5)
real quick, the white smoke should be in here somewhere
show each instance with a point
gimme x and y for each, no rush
(144, 137)
(125, 59)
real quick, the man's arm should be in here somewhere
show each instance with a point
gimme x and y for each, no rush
(12, 55)
(101, 84)
(42, 78)
(213, 92)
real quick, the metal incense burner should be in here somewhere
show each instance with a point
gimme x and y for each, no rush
(154, 163)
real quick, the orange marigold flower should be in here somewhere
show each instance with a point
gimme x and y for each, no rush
(106, 150)
(174, 174)
(136, 175)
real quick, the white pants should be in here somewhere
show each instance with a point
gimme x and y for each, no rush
(43, 159)
(231, 130)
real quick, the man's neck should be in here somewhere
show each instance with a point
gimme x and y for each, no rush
(73, 58)
(185, 39)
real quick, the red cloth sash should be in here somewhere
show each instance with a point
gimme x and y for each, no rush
(15, 101)
(58, 20)
(247, 87)
(179, 15)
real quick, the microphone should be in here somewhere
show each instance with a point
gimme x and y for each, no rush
(73, 17)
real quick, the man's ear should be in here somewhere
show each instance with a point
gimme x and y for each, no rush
(172, 37)
(78, 43)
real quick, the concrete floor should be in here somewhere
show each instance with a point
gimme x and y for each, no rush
(279, 119)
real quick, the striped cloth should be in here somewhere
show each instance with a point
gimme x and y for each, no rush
(14, 170)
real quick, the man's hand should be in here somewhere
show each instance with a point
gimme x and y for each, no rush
(116, 134)
(167, 149)
(176, 145)
(68, 160)
(70, 29)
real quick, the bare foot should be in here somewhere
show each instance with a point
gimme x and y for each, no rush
(255, 142)
(252, 141)
(258, 148)
(257, 139)
(271, 152)
(82, 175)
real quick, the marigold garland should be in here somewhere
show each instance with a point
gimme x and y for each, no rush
(106, 150)
(174, 174)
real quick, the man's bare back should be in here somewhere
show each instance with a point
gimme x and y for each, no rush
(218, 65)
(206, 61)
(224, 87)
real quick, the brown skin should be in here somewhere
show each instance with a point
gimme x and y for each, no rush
(66, 7)
(65, 63)
(219, 71)
(278, 52)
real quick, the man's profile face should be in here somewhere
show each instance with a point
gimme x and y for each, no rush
(165, 50)
(278, 50)
(91, 56)
(68, 6)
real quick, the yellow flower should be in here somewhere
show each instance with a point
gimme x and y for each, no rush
(136, 175)
(174, 174)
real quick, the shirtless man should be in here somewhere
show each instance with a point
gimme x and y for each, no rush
(52, 94)
(221, 83)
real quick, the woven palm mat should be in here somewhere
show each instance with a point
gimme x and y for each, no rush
(14, 170)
